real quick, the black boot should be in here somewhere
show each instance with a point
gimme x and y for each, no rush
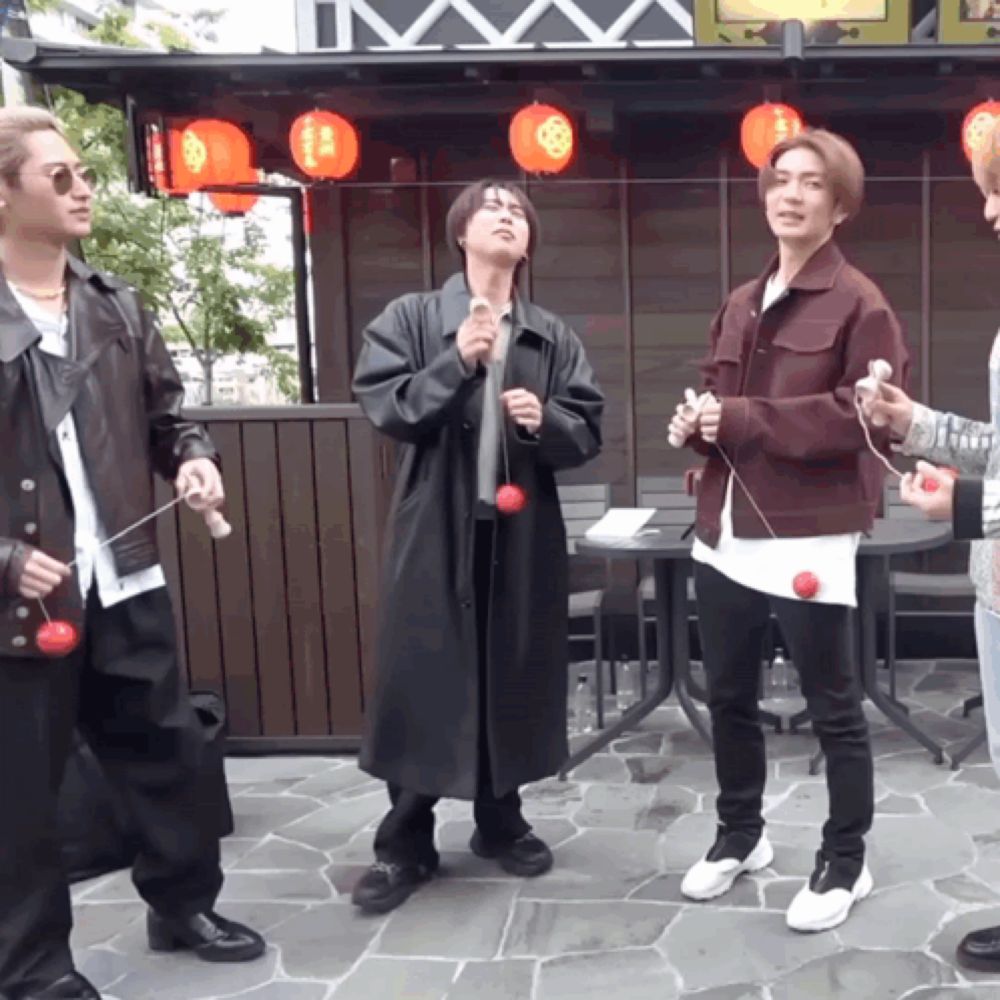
(72, 986)
(526, 857)
(980, 950)
(387, 885)
(211, 937)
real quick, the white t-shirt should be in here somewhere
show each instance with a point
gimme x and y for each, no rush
(769, 565)
(91, 562)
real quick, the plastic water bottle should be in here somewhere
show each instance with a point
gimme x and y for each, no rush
(791, 677)
(583, 706)
(779, 673)
(628, 680)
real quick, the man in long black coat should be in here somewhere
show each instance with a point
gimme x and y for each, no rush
(482, 388)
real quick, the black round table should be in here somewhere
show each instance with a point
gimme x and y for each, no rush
(668, 548)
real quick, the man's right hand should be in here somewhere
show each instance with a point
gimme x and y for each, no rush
(41, 575)
(476, 336)
(894, 407)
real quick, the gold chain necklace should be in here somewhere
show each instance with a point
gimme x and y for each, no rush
(46, 296)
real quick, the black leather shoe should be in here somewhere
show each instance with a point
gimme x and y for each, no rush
(387, 885)
(980, 950)
(211, 937)
(525, 857)
(72, 986)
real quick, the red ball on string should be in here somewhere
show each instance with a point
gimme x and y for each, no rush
(511, 499)
(805, 585)
(57, 638)
(931, 485)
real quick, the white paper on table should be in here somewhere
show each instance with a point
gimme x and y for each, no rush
(621, 522)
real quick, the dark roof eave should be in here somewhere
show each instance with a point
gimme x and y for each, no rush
(105, 71)
(32, 56)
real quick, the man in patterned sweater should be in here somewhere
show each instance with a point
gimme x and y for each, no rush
(972, 502)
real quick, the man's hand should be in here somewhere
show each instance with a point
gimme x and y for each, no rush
(201, 478)
(709, 420)
(894, 407)
(524, 408)
(476, 336)
(41, 575)
(681, 425)
(937, 504)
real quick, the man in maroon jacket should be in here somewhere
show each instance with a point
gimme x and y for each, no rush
(788, 488)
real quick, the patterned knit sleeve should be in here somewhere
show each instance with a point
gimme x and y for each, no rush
(948, 439)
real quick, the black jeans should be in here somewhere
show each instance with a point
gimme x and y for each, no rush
(732, 621)
(123, 688)
(406, 833)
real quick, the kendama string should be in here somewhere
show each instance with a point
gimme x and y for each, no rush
(123, 532)
(749, 495)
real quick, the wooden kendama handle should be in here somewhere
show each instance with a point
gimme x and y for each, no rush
(218, 526)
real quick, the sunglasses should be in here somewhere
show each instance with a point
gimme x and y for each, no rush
(62, 178)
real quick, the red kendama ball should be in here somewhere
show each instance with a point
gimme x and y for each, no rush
(805, 585)
(511, 499)
(931, 486)
(57, 638)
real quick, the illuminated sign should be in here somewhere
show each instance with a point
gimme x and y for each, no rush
(969, 22)
(827, 22)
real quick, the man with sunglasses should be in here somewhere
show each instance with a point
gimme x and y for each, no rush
(89, 410)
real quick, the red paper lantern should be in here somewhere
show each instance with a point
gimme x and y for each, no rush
(542, 139)
(976, 125)
(764, 127)
(324, 145)
(234, 203)
(207, 151)
(156, 159)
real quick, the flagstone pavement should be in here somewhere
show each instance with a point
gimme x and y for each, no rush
(608, 920)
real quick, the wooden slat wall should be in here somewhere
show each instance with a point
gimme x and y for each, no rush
(279, 618)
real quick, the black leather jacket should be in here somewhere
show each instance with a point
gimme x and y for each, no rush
(125, 396)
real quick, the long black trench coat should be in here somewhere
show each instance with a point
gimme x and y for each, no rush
(422, 725)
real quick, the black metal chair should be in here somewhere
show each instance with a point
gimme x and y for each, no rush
(582, 506)
(674, 507)
(907, 583)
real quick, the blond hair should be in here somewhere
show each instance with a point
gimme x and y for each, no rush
(17, 122)
(986, 159)
(845, 171)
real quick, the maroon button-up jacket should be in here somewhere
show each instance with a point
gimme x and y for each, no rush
(786, 380)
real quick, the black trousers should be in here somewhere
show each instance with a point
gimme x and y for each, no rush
(406, 833)
(732, 620)
(123, 688)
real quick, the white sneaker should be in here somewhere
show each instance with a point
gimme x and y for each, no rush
(826, 899)
(721, 867)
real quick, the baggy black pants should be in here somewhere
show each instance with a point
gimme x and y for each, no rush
(406, 833)
(123, 688)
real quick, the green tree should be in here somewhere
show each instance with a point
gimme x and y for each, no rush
(214, 292)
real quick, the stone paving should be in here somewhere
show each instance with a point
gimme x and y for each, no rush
(608, 920)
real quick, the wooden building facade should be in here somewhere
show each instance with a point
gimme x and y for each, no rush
(656, 219)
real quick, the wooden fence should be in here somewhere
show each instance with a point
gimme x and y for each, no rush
(279, 618)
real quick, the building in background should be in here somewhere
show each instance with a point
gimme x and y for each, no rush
(387, 25)
(72, 20)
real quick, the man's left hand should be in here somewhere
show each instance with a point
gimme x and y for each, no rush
(201, 478)
(937, 504)
(524, 408)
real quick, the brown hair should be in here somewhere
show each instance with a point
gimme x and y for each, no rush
(845, 171)
(470, 200)
(986, 159)
(16, 122)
